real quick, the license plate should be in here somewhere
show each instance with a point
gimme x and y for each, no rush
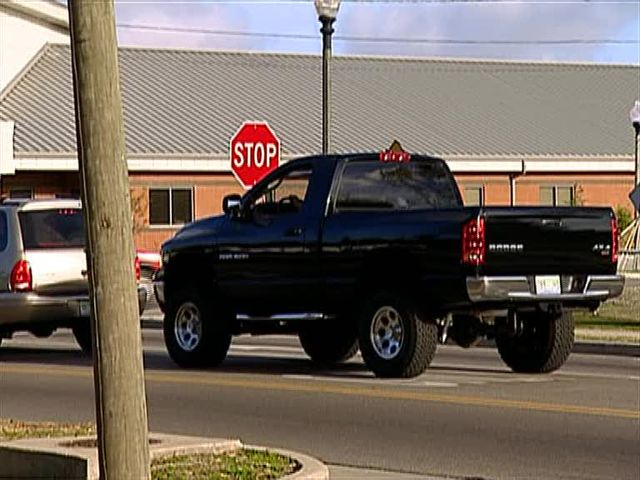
(548, 285)
(84, 309)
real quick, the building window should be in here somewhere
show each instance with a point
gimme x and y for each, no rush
(170, 206)
(557, 195)
(74, 194)
(21, 193)
(474, 195)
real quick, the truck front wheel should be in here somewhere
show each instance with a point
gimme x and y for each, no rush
(394, 340)
(330, 342)
(195, 336)
(542, 345)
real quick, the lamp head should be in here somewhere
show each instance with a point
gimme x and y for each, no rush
(327, 8)
(634, 115)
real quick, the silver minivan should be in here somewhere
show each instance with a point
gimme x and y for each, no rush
(43, 272)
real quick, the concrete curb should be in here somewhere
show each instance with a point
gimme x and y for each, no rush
(73, 457)
(312, 468)
(592, 348)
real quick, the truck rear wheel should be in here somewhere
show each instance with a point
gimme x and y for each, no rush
(543, 345)
(82, 333)
(195, 336)
(330, 342)
(394, 340)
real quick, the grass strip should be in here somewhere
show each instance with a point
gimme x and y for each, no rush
(16, 429)
(237, 465)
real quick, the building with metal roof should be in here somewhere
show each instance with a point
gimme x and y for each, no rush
(561, 128)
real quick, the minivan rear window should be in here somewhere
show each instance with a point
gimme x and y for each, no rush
(4, 231)
(60, 228)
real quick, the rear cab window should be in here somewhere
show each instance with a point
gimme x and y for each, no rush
(56, 228)
(392, 186)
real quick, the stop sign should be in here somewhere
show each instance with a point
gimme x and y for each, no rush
(255, 151)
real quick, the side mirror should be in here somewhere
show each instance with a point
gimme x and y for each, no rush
(231, 204)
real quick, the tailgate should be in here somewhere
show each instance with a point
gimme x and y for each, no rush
(542, 240)
(59, 271)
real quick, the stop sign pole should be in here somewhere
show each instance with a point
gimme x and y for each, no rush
(254, 152)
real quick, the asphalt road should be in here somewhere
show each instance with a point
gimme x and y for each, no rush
(468, 416)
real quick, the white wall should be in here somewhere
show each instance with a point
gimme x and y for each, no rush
(22, 35)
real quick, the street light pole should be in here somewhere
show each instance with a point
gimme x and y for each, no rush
(634, 116)
(327, 11)
(636, 126)
(327, 31)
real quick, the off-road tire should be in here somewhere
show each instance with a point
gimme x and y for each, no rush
(330, 342)
(544, 345)
(418, 346)
(215, 337)
(82, 333)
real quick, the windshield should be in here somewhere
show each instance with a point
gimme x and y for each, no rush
(61, 228)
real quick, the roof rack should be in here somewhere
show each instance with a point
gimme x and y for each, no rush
(14, 201)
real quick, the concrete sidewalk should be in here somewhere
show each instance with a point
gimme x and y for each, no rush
(338, 472)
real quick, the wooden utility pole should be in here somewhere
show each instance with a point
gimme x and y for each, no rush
(121, 408)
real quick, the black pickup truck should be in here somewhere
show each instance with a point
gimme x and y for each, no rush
(378, 252)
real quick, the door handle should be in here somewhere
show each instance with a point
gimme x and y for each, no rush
(293, 232)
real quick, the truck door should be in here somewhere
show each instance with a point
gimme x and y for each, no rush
(266, 265)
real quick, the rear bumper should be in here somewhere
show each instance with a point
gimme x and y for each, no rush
(25, 308)
(520, 289)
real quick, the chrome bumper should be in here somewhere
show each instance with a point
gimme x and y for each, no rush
(515, 289)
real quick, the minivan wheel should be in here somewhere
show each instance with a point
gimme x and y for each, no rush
(330, 342)
(194, 334)
(82, 333)
(543, 345)
(394, 340)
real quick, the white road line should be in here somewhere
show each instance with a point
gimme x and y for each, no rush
(370, 379)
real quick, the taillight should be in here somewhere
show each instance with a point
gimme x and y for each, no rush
(21, 280)
(614, 240)
(136, 264)
(473, 244)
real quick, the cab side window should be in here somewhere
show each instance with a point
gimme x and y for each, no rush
(4, 231)
(284, 195)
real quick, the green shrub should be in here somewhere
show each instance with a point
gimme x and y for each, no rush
(623, 215)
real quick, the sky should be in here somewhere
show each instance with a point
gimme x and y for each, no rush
(527, 20)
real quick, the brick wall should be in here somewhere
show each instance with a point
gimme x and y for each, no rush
(209, 189)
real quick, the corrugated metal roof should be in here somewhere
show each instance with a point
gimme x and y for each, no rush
(191, 102)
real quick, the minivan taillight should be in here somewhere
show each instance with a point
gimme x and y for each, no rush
(473, 242)
(136, 265)
(21, 280)
(614, 240)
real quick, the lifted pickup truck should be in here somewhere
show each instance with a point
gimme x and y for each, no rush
(377, 251)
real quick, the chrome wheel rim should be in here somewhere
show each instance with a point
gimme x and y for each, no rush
(188, 327)
(387, 333)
